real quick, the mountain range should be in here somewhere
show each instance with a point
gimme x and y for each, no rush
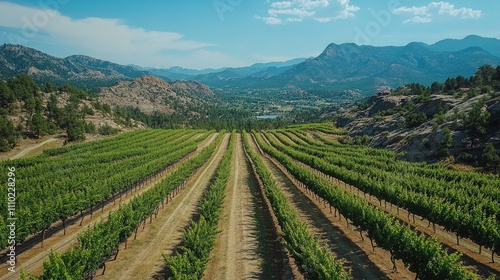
(491, 45)
(339, 67)
(178, 73)
(349, 66)
(368, 67)
(82, 71)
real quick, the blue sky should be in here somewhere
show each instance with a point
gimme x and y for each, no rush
(217, 33)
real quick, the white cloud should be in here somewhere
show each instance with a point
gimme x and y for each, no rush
(425, 14)
(281, 12)
(446, 8)
(282, 5)
(347, 10)
(100, 37)
(412, 10)
(312, 4)
(324, 19)
(418, 19)
(302, 13)
(270, 20)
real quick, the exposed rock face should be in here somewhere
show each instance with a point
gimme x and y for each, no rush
(388, 130)
(151, 94)
(437, 103)
(193, 87)
(383, 103)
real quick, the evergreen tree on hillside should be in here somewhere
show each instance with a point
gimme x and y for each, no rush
(476, 120)
(8, 135)
(24, 87)
(73, 121)
(496, 79)
(436, 88)
(446, 143)
(485, 74)
(38, 125)
(450, 85)
(7, 97)
(53, 112)
(48, 88)
(491, 159)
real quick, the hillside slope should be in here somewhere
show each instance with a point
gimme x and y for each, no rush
(150, 94)
(79, 70)
(418, 129)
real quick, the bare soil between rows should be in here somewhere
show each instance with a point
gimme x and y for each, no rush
(342, 239)
(30, 255)
(248, 246)
(478, 263)
(143, 257)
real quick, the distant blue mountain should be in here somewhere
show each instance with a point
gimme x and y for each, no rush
(177, 72)
(491, 45)
(366, 68)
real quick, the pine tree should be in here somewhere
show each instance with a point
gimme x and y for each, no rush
(8, 135)
(446, 143)
(476, 120)
(491, 159)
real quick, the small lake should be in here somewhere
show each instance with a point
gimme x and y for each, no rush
(269, 116)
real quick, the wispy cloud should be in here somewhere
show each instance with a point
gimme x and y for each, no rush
(281, 12)
(103, 37)
(281, 5)
(426, 14)
(418, 19)
(347, 10)
(270, 20)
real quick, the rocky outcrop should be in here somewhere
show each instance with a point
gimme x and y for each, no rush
(194, 88)
(151, 94)
(384, 103)
(384, 120)
(437, 103)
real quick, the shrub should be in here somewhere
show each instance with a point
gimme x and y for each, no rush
(107, 130)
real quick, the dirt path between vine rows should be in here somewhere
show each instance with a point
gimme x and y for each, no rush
(143, 257)
(346, 244)
(30, 255)
(248, 246)
(479, 263)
